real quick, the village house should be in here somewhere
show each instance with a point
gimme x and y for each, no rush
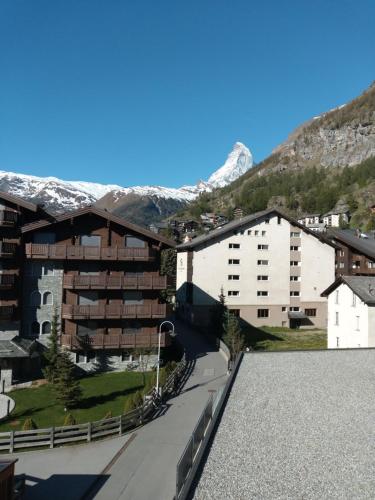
(355, 252)
(336, 217)
(271, 269)
(351, 312)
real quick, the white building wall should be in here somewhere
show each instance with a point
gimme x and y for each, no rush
(181, 274)
(348, 333)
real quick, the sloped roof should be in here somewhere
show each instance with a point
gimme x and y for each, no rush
(365, 246)
(18, 201)
(244, 221)
(100, 213)
(363, 286)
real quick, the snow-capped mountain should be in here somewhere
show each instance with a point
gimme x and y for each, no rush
(58, 195)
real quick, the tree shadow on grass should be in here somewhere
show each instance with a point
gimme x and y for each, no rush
(105, 398)
(254, 335)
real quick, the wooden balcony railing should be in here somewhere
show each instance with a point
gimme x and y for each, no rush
(8, 218)
(79, 252)
(111, 341)
(7, 281)
(114, 311)
(115, 282)
(8, 249)
(6, 312)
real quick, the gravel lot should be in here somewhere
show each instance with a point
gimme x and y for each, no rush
(298, 425)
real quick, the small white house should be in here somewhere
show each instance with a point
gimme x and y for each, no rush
(351, 312)
(332, 218)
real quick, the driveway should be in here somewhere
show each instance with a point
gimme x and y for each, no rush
(142, 464)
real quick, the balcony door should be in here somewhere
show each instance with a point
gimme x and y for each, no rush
(133, 298)
(88, 298)
(90, 240)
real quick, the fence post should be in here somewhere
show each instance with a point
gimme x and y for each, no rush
(89, 432)
(11, 442)
(120, 425)
(52, 437)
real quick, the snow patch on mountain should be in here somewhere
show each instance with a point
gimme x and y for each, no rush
(69, 195)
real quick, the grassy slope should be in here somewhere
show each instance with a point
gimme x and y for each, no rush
(101, 393)
(284, 339)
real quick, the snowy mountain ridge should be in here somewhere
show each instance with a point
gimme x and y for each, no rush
(61, 195)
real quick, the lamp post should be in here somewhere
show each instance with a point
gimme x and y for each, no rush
(158, 365)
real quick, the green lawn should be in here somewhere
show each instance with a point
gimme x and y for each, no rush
(101, 393)
(276, 338)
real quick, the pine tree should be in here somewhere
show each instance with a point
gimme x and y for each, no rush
(69, 420)
(217, 315)
(52, 353)
(29, 425)
(233, 335)
(67, 387)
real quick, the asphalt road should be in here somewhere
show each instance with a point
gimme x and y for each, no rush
(140, 465)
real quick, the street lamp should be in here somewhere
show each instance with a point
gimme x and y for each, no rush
(172, 334)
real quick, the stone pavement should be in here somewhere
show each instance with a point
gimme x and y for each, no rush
(141, 465)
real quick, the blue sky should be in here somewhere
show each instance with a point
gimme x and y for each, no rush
(157, 92)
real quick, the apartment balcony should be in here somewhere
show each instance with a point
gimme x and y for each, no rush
(6, 311)
(7, 281)
(115, 282)
(142, 338)
(8, 218)
(80, 252)
(8, 250)
(114, 311)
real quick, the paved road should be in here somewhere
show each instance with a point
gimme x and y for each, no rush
(141, 465)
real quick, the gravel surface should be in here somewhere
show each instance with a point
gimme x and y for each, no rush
(297, 425)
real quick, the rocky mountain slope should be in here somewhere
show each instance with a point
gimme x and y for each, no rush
(326, 161)
(141, 204)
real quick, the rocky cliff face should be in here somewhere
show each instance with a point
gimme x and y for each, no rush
(342, 137)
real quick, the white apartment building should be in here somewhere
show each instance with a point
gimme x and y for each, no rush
(271, 269)
(351, 312)
(332, 218)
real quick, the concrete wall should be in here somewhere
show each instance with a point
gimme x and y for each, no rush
(348, 332)
(111, 361)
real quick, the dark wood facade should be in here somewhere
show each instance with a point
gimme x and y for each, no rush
(355, 255)
(109, 272)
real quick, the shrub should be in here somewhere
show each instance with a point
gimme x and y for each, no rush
(29, 425)
(137, 399)
(69, 420)
(108, 415)
(129, 405)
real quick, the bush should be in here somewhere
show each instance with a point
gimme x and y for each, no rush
(29, 425)
(129, 405)
(108, 415)
(137, 399)
(69, 420)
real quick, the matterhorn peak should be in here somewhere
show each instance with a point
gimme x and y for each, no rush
(239, 161)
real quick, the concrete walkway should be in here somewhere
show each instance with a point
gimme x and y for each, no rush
(141, 465)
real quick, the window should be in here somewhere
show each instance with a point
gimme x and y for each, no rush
(283, 309)
(262, 262)
(249, 232)
(242, 231)
(354, 299)
(35, 298)
(370, 264)
(294, 309)
(46, 328)
(133, 298)
(47, 299)
(295, 234)
(88, 298)
(294, 248)
(295, 278)
(80, 357)
(341, 265)
(294, 263)
(279, 219)
(262, 277)
(357, 323)
(44, 238)
(336, 318)
(356, 264)
(87, 328)
(267, 221)
(310, 312)
(234, 245)
(262, 293)
(262, 313)
(235, 277)
(90, 240)
(264, 233)
(35, 328)
(294, 293)
(125, 356)
(134, 242)
(337, 297)
(341, 253)
(235, 312)
(234, 262)
(233, 293)
(262, 247)
(256, 233)
(337, 341)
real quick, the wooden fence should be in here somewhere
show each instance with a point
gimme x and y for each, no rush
(90, 431)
